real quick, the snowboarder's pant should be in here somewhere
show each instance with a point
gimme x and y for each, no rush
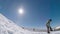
(49, 29)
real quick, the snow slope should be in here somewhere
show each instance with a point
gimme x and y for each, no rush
(9, 27)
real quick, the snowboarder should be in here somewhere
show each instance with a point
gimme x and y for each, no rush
(48, 26)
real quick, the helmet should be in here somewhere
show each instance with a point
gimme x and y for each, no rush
(50, 19)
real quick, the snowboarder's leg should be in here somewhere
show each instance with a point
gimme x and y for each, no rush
(48, 31)
(51, 29)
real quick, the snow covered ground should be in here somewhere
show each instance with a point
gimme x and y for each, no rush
(9, 27)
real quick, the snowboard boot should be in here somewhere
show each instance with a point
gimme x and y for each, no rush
(48, 32)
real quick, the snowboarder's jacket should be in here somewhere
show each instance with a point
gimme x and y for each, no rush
(48, 23)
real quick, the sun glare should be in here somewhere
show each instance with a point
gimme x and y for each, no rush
(20, 11)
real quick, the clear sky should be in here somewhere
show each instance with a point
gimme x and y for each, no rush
(36, 12)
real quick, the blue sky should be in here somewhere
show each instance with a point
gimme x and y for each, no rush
(37, 12)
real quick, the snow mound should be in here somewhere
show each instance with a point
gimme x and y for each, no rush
(9, 27)
(57, 27)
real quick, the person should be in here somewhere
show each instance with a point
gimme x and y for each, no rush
(48, 26)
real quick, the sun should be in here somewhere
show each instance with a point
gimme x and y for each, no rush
(21, 11)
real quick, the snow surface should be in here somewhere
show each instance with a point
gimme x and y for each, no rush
(57, 27)
(9, 27)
